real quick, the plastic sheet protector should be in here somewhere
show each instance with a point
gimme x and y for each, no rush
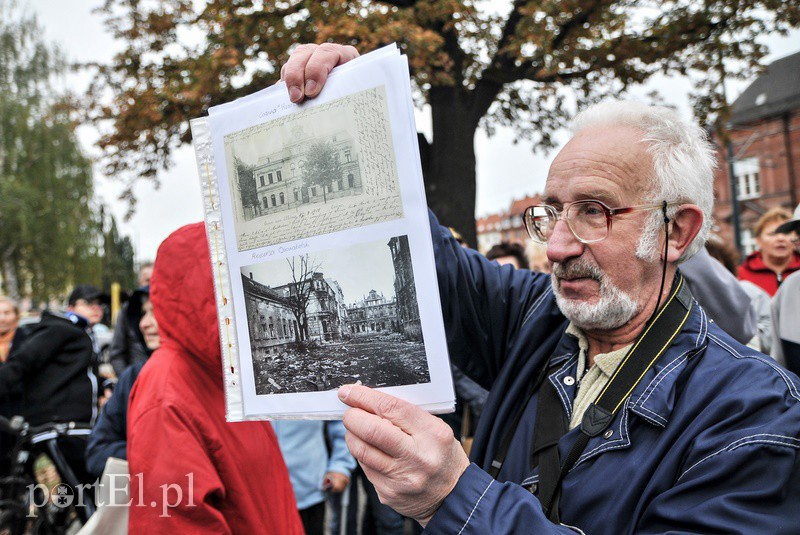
(321, 248)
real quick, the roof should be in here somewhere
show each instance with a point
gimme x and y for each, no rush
(489, 223)
(261, 290)
(519, 206)
(775, 92)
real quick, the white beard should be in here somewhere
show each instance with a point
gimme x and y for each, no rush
(614, 308)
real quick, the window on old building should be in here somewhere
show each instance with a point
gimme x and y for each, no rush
(296, 195)
(351, 180)
(282, 198)
(266, 204)
(340, 184)
(347, 155)
(272, 198)
(278, 176)
(269, 176)
(261, 178)
(748, 185)
(313, 191)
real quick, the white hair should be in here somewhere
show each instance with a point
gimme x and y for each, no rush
(683, 164)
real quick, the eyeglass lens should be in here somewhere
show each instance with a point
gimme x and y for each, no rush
(587, 220)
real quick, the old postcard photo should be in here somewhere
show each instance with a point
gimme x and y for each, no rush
(321, 248)
(323, 319)
(317, 171)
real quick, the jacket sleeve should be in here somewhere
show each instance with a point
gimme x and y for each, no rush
(478, 504)
(30, 357)
(172, 475)
(719, 293)
(745, 486)
(747, 482)
(483, 304)
(118, 350)
(341, 461)
(109, 437)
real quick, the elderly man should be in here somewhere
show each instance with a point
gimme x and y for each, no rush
(609, 412)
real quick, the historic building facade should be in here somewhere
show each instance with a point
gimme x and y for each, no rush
(279, 175)
(373, 314)
(404, 288)
(325, 310)
(270, 320)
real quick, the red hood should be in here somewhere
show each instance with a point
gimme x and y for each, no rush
(182, 292)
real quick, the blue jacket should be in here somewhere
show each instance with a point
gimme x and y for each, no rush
(709, 440)
(109, 437)
(303, 446)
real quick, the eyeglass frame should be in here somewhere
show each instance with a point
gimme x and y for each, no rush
(609, 213)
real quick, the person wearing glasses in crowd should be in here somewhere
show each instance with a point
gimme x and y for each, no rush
(616, 405)
(55, 370)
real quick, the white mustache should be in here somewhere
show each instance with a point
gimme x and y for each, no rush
(577, 269)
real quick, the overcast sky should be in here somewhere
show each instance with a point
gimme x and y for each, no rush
(505, 170)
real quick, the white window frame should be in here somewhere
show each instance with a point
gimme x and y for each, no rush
(748, 180)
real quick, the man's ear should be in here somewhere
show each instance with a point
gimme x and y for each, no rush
(684, 226)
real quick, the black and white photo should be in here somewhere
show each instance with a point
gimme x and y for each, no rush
(319, 320)
(317, 171)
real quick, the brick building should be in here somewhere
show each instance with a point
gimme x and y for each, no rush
(506, 226)
(765, 134)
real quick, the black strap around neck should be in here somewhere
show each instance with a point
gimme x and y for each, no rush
(648, 348)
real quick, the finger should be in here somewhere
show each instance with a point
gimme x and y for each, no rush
(403, 414)
(325, 57)
(368, 456)
(293, 72)
(378, 432)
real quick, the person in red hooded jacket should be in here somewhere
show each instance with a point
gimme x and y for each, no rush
(191, 471)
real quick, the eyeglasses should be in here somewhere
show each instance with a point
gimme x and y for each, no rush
(589, 221)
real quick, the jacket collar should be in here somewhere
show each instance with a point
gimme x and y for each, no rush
(653, 397)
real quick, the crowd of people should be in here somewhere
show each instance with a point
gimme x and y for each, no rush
(701, 350)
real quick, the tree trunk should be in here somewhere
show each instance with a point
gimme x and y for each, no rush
(450, 174)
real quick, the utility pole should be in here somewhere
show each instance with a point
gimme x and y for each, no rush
(725, 134)
(737, 226)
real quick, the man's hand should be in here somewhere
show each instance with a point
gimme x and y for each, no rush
(335, 482)
(309, 65)
(410, 456)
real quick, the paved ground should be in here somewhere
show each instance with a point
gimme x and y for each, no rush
(377, 360)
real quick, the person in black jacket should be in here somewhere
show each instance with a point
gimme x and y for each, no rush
(127, 346)
(55, 370)
(109, 437)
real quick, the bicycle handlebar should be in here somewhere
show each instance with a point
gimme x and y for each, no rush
(17, 426)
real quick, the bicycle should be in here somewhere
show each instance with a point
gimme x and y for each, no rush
(29, 507)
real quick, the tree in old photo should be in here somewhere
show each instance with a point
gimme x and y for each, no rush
(300, 288)
(246, 180)
(321, 167)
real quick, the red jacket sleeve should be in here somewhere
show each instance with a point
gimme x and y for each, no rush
(174, 485)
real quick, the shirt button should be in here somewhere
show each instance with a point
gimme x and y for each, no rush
(608, 433)
(569, 380)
